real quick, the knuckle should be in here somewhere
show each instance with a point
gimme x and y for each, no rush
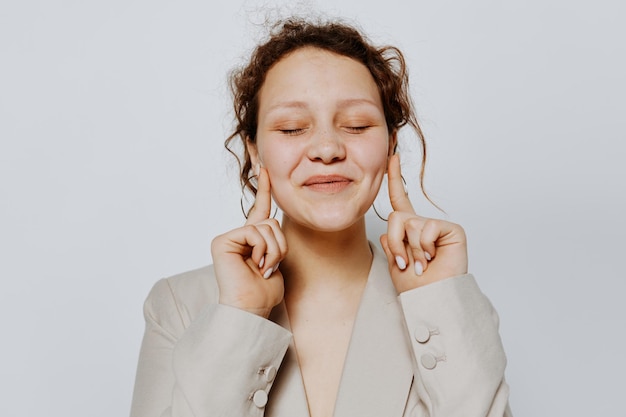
(414, 223)
(393, 216)
(250, 228)
(273, 222)
(219, 239)
(432, 224)
(435, 222)
(252, 231)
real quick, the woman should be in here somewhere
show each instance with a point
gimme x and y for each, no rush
(306, 317)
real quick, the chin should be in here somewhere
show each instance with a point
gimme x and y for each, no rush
(329, 221)
(332, 228)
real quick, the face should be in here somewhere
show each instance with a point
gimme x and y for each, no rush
(323, 138)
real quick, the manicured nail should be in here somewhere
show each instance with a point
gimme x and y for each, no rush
(400, 262)
(268, 273)
(419, 270)
(262, 262)
(427, 256)
(276, 267)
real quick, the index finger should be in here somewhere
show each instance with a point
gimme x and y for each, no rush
(397, 194)
(263, 200)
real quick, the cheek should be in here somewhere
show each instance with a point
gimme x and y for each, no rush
(271, 154)
(374, 166)
(279, 164)
(373, 160)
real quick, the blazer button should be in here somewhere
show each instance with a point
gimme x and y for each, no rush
(428, 361)
(422, 334)
(269, 373)
(260, 398)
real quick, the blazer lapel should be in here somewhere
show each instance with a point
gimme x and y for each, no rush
(288, 387)
(378, 371)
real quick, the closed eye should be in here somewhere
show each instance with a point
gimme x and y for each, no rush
(357, 129)
(292, 132)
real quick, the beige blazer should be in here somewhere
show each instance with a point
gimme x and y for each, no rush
(433, 351)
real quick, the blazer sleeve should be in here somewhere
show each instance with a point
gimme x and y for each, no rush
(222, 363)
(459, 360)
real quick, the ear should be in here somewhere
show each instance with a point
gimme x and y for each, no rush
(254, 155)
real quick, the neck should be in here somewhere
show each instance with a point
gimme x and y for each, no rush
(325, 262)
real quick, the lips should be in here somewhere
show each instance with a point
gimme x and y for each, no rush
(327, 183)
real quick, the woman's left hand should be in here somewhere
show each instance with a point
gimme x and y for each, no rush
(419, 250)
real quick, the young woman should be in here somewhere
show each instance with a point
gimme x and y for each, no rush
(305, 316)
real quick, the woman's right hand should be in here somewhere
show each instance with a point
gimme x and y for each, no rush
(246, 259)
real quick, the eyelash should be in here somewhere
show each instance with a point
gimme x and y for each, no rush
(357, 129)
(292, 132)
(351, 129)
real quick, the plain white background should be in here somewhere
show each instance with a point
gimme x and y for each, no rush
(113, 175)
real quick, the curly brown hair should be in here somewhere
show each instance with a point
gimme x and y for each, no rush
(386, 64)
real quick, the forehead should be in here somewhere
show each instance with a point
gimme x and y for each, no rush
(309, 75)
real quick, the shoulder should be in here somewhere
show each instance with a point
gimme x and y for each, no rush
(175, 301)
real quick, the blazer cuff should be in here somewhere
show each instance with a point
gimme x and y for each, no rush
(459, 359)
(226, 361)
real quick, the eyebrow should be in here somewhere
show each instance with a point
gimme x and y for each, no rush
(288, 105)
(357, 102)
(303, 105)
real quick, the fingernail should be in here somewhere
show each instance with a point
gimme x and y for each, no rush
(419, 270)
(427, 256)
(400, 262)
(276, 267)
(268, 273)
(262, 262)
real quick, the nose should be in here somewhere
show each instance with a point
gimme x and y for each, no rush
(326, 146)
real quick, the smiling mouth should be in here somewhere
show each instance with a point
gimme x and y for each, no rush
(327, 183)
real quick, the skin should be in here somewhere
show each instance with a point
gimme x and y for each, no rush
(321, 151)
